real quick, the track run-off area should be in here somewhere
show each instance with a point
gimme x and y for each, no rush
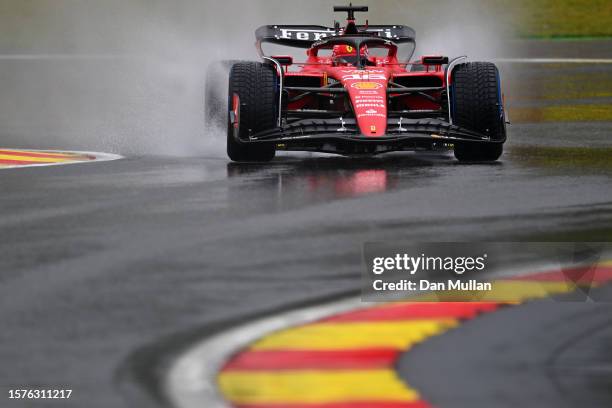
(15, 158)
(350, 358)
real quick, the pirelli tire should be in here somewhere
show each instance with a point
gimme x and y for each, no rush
(477, 105)
(255, 87)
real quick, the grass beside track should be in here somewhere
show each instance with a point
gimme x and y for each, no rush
(562, 113)
(564, 18)
(587, 159)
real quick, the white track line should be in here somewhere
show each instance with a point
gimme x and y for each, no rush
(555, 60)
(191, 380)
(99, 157)
(34, 57)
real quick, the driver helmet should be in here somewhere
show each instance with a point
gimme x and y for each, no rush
(344, 51)
(348, 53)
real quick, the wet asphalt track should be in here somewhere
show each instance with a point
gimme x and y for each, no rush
(100, 260)
(551, 353)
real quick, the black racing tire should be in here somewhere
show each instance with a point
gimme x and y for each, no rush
(477, 105)
(256, 86)
(215, 96)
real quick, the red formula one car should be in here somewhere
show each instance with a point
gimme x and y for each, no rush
(353, 95)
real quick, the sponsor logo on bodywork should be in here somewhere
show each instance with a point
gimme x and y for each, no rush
(366, 85)
(316, 35)
(307, 35)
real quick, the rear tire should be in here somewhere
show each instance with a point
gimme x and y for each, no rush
(477, 105)
(256, 86)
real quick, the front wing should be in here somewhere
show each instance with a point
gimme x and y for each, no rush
(342, 136)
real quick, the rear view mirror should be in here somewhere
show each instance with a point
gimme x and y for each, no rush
(283, 59)
(434, 60)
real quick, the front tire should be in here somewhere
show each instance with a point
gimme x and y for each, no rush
(253, 97)
(477, 105)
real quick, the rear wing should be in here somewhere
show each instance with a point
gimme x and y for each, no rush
(304, 36)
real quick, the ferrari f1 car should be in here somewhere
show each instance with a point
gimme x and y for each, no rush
(353, 95)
